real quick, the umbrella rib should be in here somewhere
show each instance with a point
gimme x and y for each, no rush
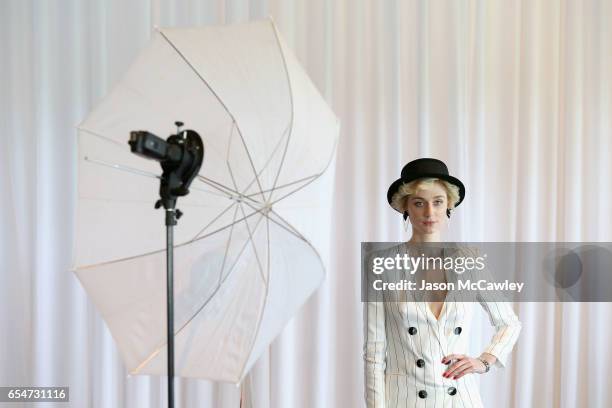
(287, 184)
(254, 247)
(195, 71)
(280, 50)
(298, 234)
(311, 177)
(214, 184)
(249, 196)
(278, 144)
(204, 180)
(129, 258)
(314, 177)
(208, 191)
(287, 226)
(227, 245)
(227, 163)
(106, 139)
(215, 219)
(224, 189)
(229, 193)
(290, 229)
(141, 173)
(122, 168)
(127, 168)
(265, 300)
(239, 254)
(235, 190)
(114, 165)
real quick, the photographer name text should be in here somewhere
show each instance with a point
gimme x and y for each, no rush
(479, 285)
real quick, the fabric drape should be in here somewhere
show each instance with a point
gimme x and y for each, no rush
(514, 96)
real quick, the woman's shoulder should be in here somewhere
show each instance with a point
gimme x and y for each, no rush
(385, 249)
(462, 249)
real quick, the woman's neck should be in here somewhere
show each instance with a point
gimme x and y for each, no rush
(424, 238)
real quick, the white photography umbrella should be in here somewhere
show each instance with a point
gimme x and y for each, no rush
(247, 248)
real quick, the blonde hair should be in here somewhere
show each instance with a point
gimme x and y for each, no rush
(405, 190)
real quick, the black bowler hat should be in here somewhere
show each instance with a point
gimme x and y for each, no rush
(424, 168)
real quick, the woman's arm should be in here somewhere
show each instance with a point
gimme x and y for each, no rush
(502, 317)
(374, 351)
(507, 329)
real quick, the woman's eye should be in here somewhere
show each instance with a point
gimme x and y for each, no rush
(438, 201)
(418, 204)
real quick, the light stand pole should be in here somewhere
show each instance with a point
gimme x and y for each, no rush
(181, 157)
(170, 223)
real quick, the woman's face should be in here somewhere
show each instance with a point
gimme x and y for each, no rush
(427, 208)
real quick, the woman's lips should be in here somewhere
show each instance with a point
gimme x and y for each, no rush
(429, 223)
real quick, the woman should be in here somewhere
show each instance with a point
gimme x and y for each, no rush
(414, 351)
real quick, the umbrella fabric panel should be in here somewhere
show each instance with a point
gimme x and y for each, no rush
(258, 96)
(226, 309)
(314, 130)
(297, 272)
(130, 295)
(311, 202)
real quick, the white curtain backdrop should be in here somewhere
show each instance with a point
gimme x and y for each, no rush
(516, 97)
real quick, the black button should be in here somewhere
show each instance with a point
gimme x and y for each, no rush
(420, 362)
(423, 394)
(412, 331)
(452, 390)
(458, 330)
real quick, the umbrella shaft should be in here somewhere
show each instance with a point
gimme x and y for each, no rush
(170, 223)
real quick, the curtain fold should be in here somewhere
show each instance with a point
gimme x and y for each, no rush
(514, 96)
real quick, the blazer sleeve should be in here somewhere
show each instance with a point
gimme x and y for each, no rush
(374, 351)
(503, 319)
(374, 344)
(507, 329)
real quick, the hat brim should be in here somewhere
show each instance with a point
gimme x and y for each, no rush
(394, 187)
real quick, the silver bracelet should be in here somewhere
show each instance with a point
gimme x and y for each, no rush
(486, 364)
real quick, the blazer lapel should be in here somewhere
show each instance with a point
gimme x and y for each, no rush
(438, 326)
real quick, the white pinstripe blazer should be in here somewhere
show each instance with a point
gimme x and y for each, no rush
(404, 345)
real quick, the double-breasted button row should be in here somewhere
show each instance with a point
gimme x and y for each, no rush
(421, 363)
(413, 330)
(450, 391)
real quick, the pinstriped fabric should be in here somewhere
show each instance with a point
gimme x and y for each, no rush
(501, 316)
(375, 348)
(392, 376)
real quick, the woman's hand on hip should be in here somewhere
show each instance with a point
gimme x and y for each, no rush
(464, 365)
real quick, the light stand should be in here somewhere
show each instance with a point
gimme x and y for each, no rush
(181, 157)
